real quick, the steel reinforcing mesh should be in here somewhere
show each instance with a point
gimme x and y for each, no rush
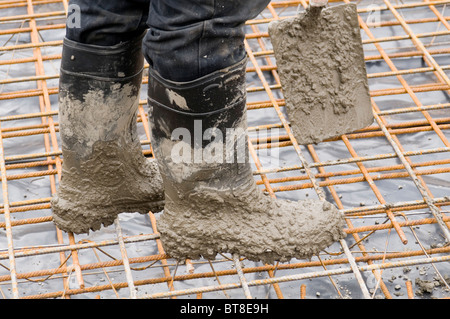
(391, 179)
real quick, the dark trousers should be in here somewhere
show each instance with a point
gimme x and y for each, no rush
(186, 39)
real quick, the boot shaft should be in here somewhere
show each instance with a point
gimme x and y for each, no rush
(98, 94)
(199, 129)
(104, 62)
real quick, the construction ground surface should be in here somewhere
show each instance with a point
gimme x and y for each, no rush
(391, 179)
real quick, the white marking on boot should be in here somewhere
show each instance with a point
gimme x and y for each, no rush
(177, 99)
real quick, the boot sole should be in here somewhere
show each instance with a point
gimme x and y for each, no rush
(195, 237)
(78, 219)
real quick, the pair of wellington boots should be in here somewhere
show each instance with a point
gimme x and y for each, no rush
(201, 178)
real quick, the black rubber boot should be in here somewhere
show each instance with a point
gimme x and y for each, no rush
(213, 204)
(104, 172)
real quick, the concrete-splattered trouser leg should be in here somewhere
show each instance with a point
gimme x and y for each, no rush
(104, 171)
(197, 100)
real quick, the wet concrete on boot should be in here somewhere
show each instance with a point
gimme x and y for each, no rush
(322, 72)
(115, 179)
(104, 172)
(243, 220)
(213, 208)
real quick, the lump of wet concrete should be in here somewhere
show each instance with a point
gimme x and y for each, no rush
(424, 286)
(321, 65)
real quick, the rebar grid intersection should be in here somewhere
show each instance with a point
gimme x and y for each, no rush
(389, 179)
